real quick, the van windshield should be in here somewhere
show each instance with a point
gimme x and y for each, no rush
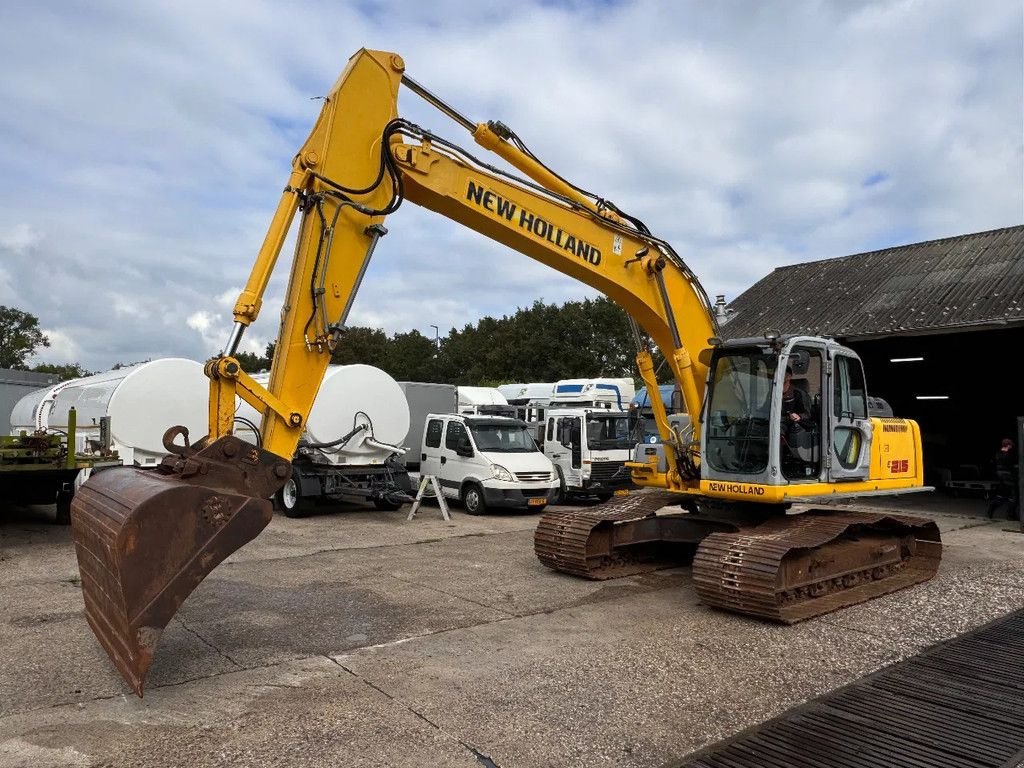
(503, 438)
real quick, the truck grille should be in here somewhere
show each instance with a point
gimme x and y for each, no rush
(606, 470)
(532, 477)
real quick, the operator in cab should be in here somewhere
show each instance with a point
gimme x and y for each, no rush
(796, 418)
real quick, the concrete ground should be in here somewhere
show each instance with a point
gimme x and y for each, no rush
(357, 638)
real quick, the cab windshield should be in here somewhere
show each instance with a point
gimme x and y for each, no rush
(739, 410)
(608, 432)
(503, 438)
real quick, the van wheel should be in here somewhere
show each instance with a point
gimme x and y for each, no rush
(385, 505)
(289, 500)
(473, 500)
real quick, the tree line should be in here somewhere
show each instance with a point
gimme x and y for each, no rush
(543, 342)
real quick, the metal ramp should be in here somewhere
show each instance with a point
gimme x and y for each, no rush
(958, 703)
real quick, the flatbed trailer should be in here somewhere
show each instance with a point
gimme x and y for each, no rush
(38, 468)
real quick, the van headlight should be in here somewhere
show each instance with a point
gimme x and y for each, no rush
(500, 473)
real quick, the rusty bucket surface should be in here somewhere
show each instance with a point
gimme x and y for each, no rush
(145, 538)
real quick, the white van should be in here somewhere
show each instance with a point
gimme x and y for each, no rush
(487, 462)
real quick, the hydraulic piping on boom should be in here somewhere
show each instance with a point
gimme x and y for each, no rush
(145, 538)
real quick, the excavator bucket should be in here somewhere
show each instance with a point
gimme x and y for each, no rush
(145, 538)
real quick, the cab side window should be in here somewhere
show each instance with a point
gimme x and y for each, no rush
(433, 439)
(850, 394)
(456, 432)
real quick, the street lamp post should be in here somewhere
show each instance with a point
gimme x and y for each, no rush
(437, 337)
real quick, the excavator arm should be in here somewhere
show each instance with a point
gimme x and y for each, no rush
(145, 538)
(358, 165)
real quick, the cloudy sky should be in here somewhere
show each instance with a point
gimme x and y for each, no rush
(145, 145)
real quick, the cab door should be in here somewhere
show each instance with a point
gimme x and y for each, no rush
(454, 466)
(569, 436)
(849, 424)
(553, 449)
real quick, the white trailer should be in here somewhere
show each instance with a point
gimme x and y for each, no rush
(423, 399)
(138, 403)
(352, 443)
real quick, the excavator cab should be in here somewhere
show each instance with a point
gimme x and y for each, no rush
(749, 435)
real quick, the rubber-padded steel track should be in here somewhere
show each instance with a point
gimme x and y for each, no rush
(798, 566)
(959, 703)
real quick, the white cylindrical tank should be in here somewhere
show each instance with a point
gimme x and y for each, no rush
(350, 396)
(142, 401)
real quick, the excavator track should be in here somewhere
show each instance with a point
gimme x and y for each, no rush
(796, 567)
(621, 537)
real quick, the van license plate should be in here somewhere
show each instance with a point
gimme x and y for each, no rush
(622, 492)
(537, 502)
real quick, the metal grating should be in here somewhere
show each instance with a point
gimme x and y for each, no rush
(959, 703)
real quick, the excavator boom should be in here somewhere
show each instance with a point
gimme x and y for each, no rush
(145, 538)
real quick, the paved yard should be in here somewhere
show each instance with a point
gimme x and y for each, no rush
(360, 639)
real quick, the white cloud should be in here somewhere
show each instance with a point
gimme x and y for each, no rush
(63, 348)
(20, 239)
(143, 164)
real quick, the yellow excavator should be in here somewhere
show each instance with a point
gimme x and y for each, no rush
(722, 479)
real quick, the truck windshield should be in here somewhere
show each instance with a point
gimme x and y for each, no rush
(503, 438)
(608, 431)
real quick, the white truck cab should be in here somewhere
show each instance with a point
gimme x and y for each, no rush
(589, 448)
(613, 394)
(483, 400)
(487, 462)
(531, 402)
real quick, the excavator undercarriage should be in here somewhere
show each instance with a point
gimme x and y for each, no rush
(786, 567)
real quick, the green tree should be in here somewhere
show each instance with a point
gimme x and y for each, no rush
(20, 337)
(251, 362)
(362, 345)
(544, 342)
(412, 357)
(64, 372)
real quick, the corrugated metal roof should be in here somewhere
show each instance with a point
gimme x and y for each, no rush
(954, 283)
